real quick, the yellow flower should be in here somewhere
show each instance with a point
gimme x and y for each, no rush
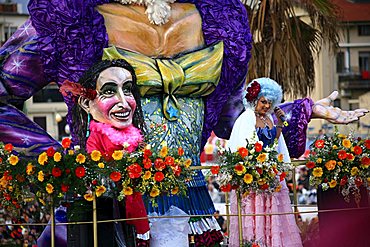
(332, 183)
(57, 157)
(10, 188)
(164, 151)
(280, 157)
(49, 188)
(40, 176)
(29, 169)
(175, 191)
(368, 180)
(13, 160)
(346, 143)
(261, 158)
(354, 171)
(42, 201)
(100, 190)
(335, 147)
(155, 192)
(101, 165)
(88, 196)
(147, 175)
(43, 158)
(248, 178)
(240, 169)
(317, 172)
(339, 163)
(95, 155)
(261, 181)
(187, 163)
(127, 191)
(117, 155)
(277, 189)
(80, 158)
(341, 136)
(245, 194)
(330, 165)
(319, 160)
(71, 152)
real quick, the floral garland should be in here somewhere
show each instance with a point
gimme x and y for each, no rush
(56, 173)
(251, 169)
(342, 162)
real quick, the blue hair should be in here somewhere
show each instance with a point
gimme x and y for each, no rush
(270, 89)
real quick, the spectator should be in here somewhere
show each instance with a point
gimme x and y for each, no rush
(215, 195)
(220, 220)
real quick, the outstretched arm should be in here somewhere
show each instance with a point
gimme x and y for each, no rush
(323, 109)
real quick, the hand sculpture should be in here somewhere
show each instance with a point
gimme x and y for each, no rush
(323, 109)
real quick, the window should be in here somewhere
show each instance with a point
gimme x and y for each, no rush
(8, 31)
(364, 60)
(41, 121)
(340, 62)
(364, 30)
(48, 94)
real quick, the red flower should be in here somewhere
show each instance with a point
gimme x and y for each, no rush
(343, 181)
(147, 163)
(64, 187)
(180, 151)
(159, 164)
(66, 143)
(8, 147)
(169, 160)
(80, 172)
(350, 157)
(225, 188)
(358, 181)
(253, 91)
(365, 161)
(7, 197)
(367, 144)
(310, 164)
(50, 152)
(282, 176)
(56, 172)
(115, 176)
(264, 186)
(357, 150)
(258, 147)
(342, 155)
(243, 152)
(259, 170)
(275, 170)
(215, 170)
(319, 143)
(1, 160)
(68, 171)
(158, 176)
(134, 170)
(177, 170)
(147, 153)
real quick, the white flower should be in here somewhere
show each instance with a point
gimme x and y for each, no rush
(325, 186)
(126, 145)
(77, 147)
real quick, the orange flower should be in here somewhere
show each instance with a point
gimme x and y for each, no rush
(248, 178)
(71, 152)
(13, 160)
(243, 152)
(332, 183)
(317, 172)
(330, 165)
(261, 157)
(49, 188)
(80, 158)
(100, 190)
(180, 151)
(88, 196)
(57, 157)
(175, 190)
(164, 151)
(278, 188)
(346, 143)
(117, 155)
(40, 176)
(8, 147)
(95, 155)
(187, 163)
(127, 191)
(239, 169)
(30, 169)
(280, 157)
(43, 158)
(154, 192)
(319, 143)
(147, 175)
(66, 143)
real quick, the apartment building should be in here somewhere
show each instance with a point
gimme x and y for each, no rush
(12, 15)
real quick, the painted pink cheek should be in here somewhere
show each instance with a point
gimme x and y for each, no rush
(132, 102)
(107, 104)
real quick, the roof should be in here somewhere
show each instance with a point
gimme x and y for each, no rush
(353, 11)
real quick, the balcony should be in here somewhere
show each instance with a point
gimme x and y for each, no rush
(8, 8)
(354, 81)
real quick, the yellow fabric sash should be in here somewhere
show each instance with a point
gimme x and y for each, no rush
(194, 74)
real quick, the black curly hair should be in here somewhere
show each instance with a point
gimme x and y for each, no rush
(89, 80)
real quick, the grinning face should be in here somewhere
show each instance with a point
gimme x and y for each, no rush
(114, 104)
(263, 106)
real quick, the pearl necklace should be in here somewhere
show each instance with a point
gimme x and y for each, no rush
(263, 119)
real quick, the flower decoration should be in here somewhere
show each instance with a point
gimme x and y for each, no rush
(340, 162)
(252, 91)
(252, 169)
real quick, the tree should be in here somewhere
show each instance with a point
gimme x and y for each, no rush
(285, 45)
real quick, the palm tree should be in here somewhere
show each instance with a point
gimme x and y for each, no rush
(285, 44)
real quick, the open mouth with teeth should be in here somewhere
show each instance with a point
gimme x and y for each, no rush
(121, 115)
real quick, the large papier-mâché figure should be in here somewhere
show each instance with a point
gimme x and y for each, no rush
(190, 57)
